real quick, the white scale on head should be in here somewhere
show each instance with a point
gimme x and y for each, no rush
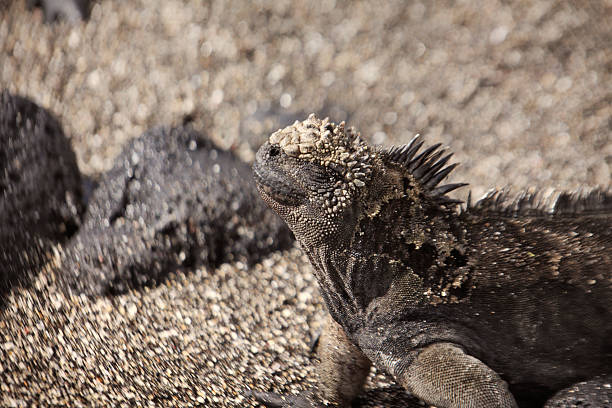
(333, 146)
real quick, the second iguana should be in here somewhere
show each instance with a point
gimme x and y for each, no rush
(476, 306)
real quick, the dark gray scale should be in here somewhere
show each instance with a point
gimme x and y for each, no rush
(502, 301)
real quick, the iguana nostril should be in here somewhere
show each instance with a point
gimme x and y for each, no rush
(274, 151)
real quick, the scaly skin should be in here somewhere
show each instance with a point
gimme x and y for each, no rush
(464, 307)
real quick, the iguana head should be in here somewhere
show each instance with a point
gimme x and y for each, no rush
(312, 174)
(321, 178)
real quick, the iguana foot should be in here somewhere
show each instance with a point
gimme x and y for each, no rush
(306, 399)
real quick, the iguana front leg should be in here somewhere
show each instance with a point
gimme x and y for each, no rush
(443, 375)
(344, 368)
(342, 373)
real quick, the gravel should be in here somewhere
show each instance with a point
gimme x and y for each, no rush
(519, 91)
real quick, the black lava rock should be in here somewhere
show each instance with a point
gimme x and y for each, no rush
(71, 11)
(172, 200)
(40, 188)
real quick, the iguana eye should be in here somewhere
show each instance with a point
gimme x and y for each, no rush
(320, 175)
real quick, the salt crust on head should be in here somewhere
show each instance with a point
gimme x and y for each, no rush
(329, 145)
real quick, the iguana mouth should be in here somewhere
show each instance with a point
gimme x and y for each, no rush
(275, 184)
(274, 193)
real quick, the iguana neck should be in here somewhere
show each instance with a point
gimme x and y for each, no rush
(421, 247)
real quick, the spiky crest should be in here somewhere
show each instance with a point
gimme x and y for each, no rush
(537, 203)
(428, 167)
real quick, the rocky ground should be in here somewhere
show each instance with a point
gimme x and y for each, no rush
(520, 91)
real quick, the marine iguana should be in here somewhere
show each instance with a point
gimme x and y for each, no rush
(481, 305)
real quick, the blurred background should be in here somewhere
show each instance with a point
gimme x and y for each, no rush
(521, 91)
(510, 85)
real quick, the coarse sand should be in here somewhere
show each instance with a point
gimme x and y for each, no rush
(520, 91)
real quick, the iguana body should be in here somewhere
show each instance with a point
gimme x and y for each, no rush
(454, 304)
